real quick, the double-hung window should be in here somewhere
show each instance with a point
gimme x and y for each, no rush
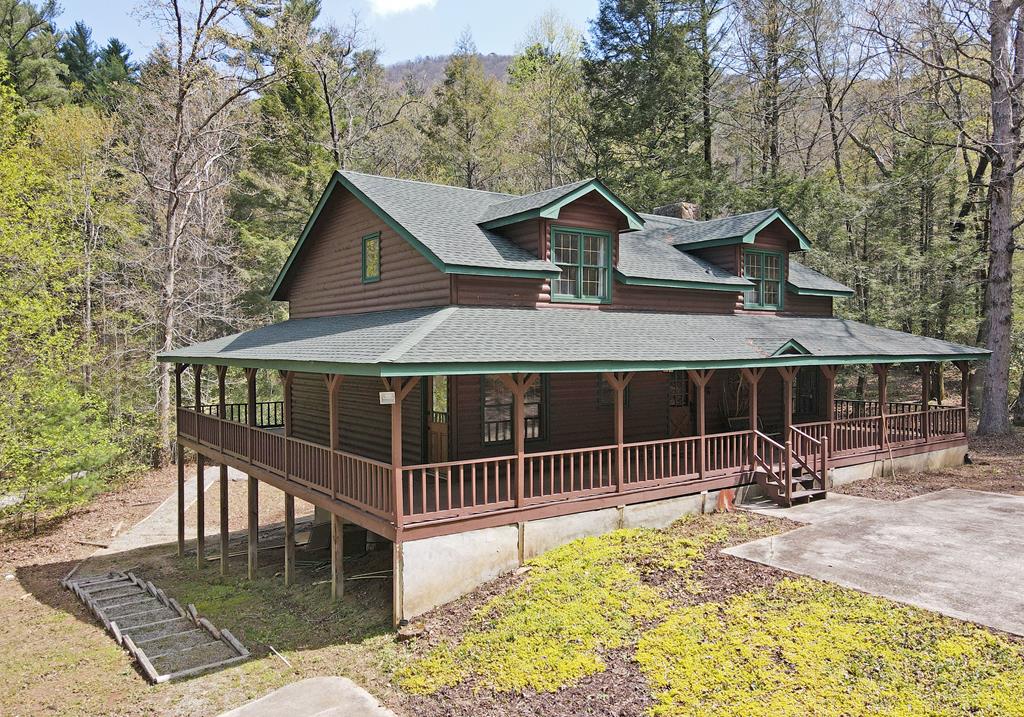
(764, 269)
(584, 256)
(497, 402)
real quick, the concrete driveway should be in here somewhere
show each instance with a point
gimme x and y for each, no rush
(957, 552)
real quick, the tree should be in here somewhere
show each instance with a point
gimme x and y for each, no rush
(78, 53)
(465, 127)
(187, 125)
(964, 42)
(28, 41)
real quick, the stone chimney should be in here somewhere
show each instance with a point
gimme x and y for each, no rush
(680, 210)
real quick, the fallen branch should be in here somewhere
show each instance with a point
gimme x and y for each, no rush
(283, 658)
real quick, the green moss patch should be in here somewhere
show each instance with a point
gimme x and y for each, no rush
(810, 648)
(576, 602)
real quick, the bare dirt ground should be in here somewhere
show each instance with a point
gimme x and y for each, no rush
(996, 466)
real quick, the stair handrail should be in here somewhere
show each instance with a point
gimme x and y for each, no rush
(759, 458)
(815, 447)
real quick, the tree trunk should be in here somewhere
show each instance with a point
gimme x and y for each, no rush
(994, 416)
(1018, 405)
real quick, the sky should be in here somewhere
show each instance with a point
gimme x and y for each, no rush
(403, 29)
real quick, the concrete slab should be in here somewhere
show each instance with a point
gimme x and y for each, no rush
(317, 696)
(813, 512)
(957, 552)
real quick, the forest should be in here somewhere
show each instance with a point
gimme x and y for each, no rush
(148, 202)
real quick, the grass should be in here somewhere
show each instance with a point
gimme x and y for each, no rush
(811, 648)
(577, 602)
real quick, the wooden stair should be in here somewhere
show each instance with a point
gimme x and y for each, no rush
(790, 477)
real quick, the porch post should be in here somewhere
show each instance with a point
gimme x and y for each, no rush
(286, 408)
(618, 382)
(882, 371)
(829, 373)
(753, 377)
(519, 384)
(289, 539)
(333, 384)
(788, 374)
(401, 388)
(222, 408)
(253, 488)
(197, 370)
(926, 393)
(965, 384)
(701, 378)
(180, 458)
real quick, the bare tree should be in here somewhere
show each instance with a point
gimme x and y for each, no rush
(212, 58)
(981, 43)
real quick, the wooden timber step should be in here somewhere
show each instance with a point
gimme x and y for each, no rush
(167, 640)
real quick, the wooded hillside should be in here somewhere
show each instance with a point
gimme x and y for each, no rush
(148, 202)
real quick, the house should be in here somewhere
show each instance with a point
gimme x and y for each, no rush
(474, 377)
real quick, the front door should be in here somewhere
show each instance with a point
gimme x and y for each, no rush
(437, 420)
(680, 407)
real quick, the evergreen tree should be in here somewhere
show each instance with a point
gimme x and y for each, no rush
(78, 53)
(113, 74)
(465, 128)
(28, 42)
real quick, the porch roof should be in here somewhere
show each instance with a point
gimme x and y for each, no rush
(476, 340)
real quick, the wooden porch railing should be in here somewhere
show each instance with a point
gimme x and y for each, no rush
(458, 488)
(269, 414)
(856, 408)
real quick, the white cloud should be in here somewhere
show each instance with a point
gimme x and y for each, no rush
(394, 7)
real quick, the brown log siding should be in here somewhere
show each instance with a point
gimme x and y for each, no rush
(326, 279)
(364, 424)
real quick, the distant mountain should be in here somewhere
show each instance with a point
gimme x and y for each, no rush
(429, 71)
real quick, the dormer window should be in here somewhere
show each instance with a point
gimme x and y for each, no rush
(584, 256)
(764, 269)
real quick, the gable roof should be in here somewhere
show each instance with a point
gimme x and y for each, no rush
(478, 339)
(740, 228)
(647, 259)
(805, 281)
(548, 203)
(437, 219)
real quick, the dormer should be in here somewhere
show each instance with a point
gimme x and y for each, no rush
(576, 227)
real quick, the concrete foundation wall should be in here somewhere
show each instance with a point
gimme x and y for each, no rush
(933, 460)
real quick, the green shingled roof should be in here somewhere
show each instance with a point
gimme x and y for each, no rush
(468, 340)
(548, 202)
(806, 281)
(714, 232)
(646, 258)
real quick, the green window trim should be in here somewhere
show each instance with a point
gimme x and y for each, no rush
(370, 272)
(496, 415)
(581, 267)
(756, 264)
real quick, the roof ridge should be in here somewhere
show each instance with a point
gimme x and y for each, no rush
(393, 354)
(429, 184)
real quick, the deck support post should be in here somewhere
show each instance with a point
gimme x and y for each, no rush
(619, 381)
(882, 371)
(926, 393)
(250, 408)
(788, 374)
(337, 555)
(401, 388)
(753, 377)
(289, 539)
(224, 534)
(197, 370)
(253, 525)
(180, 464)
(701, 378)
(519, 384)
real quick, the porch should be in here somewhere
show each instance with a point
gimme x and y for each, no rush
(405, 500)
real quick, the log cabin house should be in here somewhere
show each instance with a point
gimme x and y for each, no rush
(474, 377)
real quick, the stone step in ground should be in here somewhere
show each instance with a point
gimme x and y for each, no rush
(167, 640)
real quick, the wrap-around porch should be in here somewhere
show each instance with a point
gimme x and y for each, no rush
(405, 499)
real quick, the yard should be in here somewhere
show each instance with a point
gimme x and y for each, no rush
(635, 622)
